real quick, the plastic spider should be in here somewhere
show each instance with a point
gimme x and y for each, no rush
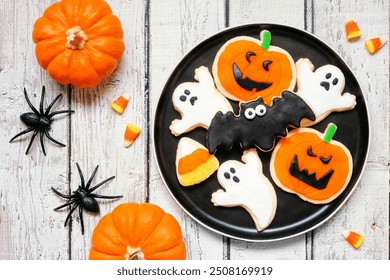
(39, 121)
(84, 198)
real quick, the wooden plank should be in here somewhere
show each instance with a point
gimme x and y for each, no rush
(97, 130)
(289, 13)
(29, 228)
(172, 34)
(367, 209)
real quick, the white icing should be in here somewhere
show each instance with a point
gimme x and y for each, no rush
(253, 191)
(206, 102)
(326, 98)
(187, 146)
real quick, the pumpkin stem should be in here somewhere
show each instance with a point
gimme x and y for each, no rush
(330, 132)
(76, 38)
(265, 37)
(134, 254)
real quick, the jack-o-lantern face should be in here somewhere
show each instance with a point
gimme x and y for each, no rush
(312, 165)
(246, 68)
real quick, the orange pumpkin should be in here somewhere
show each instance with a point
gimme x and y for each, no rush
(135, 231)
(246, 68)
(78, 42)
(311, 164)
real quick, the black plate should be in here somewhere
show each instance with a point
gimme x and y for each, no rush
(293, 215)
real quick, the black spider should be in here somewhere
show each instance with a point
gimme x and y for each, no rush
(83, 197)
(39, 121)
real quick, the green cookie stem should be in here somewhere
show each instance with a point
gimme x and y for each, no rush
(330, 132)
(265, 39)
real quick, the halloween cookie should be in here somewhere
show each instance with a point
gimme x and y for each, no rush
(194, 163)
(311, 164)
(245, 185)
(322, 90)
(197, 102)
(257, 124)
(246, 68)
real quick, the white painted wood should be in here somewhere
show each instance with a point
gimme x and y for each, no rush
(157, 35)
(29, 228)
(367, 210)
(289, 13)
(173, 33)
(97, 130)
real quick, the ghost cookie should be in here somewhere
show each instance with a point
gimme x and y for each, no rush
(245, 185)
(194, 163)
(322, 90)
(311, 164)
(197, 103)
(258, 125)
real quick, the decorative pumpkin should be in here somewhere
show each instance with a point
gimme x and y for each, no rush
(311, 164)
(135, 231)
(78, 42)
(246, 68)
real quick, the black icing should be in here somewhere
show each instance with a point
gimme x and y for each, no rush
(247, 83)
(310, 152)
(261, 131)
(310, 179)
(325, 160)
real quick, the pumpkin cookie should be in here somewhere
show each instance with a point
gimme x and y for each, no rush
(311, 164)
(245, 185)
(194, 163)
(246, 68)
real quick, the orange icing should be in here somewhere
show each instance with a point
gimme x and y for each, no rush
(298, 144)
(280, 70)
(192, 161)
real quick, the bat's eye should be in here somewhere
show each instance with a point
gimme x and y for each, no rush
(250, 113)
(261, 110)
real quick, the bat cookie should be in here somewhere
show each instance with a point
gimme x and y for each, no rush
(194, 163)
(258, 124)
(322, 90)
(311, 164)
(245, 185)
(197, 103)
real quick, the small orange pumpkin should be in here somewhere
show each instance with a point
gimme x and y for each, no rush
(311, 164)
(246, 68)
(78, 42)
(135, 231)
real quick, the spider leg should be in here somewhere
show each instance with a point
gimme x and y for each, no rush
(31, 141)
(66, 204)
(106, 196)
(59, 112)
(29, 103)
(41, 103)
(81, 219)
(21, 133)
(53, 140)
(81, 176)
(90, 179)
(63, 195)
(52, 103)
(101, 183)
(41, 139)
(70, 212)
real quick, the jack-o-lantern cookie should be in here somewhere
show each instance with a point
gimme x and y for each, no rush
(197, 102)
(194, 163)
(245, 185)
(322, 90)
(246, 68)
(311, 164)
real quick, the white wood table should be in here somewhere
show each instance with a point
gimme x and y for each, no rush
(157, 35)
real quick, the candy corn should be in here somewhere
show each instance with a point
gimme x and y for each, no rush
(120, 103)
(352, 30)
(131, 133)
(355, 239)
(374, 44)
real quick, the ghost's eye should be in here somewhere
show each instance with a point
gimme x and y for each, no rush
(260, 110)
(250, 113)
